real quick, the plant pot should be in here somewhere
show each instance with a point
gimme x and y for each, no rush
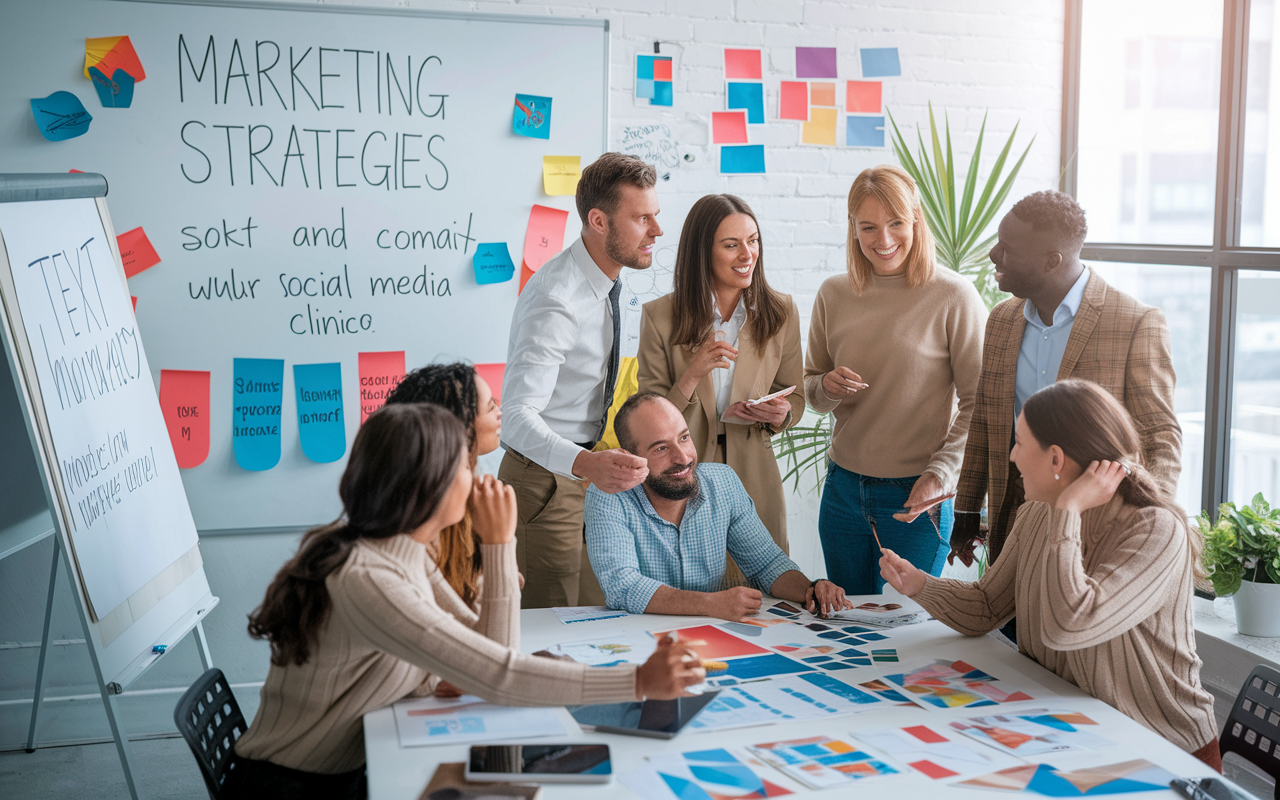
(1258, 609)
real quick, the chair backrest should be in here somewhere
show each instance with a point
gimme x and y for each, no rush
(209, 718)
(1253, 727)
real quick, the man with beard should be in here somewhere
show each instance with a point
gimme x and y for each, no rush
(562, 365)
(659, 548)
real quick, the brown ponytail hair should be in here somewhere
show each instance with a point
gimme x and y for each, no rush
(1089, 424)
(402, 463)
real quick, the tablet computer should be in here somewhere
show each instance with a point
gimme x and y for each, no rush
(656, 719)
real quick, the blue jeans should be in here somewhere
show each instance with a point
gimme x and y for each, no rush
(850, 503)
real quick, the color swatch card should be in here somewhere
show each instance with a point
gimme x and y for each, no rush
(821, 762)
(930, 753)
(654, 77)
(1034, 733)
(943, 683)
(813, 695)
(1125, 777)
(322, 428)
(492, 264)
(459, 720)
(532, 116)
(184, 401)
(705, 775)
(257, 389)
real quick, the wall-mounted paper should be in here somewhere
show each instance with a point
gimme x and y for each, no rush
(379, 374)
(110, 53)
(793, 100)
(749, 96)
(815, 62)
(560, 174)
(821, 127)
(321, 427)
(136, 252)
(542, 239)
(257, 389)
(741, 158)
(184, 401)
(532, 116)
(822, 94)
(115, 91)
(728, 127)
(60, 116)
(493, 375)
(492, 263)
(653, 78)
(880, 62)
(862, 97)
(864, 131)
(742, 65)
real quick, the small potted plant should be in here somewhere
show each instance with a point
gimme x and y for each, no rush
(1242, 555)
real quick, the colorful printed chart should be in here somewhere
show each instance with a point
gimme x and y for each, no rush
(1034, 733)
(434, 720)
(1126, 777)
(789, 698)
(930, 753)
(704, 775)
(942, 683)
(821, 762)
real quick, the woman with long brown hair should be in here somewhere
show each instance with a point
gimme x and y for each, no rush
(361, 615)
(723, 337)
(1099, 568)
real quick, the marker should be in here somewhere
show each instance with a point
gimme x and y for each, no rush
(159, 649)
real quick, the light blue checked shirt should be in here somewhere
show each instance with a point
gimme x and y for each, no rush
(634, 551)
(1043, 346)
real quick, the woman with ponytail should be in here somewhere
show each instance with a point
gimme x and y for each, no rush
(1099, 568)
(362, 614)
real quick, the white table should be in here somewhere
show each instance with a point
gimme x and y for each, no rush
(397, 773)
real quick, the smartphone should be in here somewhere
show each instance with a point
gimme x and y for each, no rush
(544, 763)
(773, 396)
(1206, 789)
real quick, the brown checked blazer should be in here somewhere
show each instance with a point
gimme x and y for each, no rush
(1115, 342)
(748, 448)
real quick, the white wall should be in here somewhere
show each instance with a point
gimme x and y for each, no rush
(1004, 56)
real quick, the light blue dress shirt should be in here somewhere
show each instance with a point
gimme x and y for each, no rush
(634, 551)
(1044, 345)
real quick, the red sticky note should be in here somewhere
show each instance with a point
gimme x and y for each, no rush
(862, 97)
(822, 94)
(729, 127)
(925, 734)
(492, 374)
(740, 64)
(76, 170)
(135, 303)
(184, 401)
(793, 101)
(933, 770)
(136, 252)
(542, 240)
(662, 69)
(379, 374)
(110, 53)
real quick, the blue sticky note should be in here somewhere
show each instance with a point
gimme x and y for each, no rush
(864, 131)
(662, 93)
(741, 158)
(114, 92)
(880, 62)
(493, 263)
(257, 388)
(532, 116)
(60, 116)
(321, 427)
(749, 96)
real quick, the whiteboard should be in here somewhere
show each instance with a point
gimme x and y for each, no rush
(235, 220)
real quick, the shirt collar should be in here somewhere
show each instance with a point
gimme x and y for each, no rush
(1066, 310)
(596, 279)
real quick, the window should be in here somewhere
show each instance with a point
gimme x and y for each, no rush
(1255, 412)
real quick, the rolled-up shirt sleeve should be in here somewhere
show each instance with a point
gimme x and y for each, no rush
(612, 550)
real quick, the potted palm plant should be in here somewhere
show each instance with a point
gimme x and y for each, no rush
(1242, 555)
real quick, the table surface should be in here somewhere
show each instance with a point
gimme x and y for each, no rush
(397, 773)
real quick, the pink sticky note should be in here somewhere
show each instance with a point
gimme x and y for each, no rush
(862, 97)
(822, 94)
(184, 401)
(794, 101)
(729, 127)
(379, 374)
(136, 252)
(492, 374)
(742, 64)
(542, 240)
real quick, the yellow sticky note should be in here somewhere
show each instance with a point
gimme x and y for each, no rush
(560, 174)
(821, 127)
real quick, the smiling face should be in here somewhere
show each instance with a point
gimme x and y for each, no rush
(661, 436)
(1021, 257)
(632, 229)
(734, 252)
(885, 239)
(488, 418)
(1038, 464)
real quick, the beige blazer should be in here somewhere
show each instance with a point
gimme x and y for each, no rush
(748, 448)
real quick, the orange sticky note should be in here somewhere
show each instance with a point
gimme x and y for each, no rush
(742, 64)
(542, 240)
(110, 53)
(729, 127)
(184, 401)
(492, 374)
(822, 94)
(379, 374)
(793, 101)
(821, 127)
(136, 252)
(862, 97)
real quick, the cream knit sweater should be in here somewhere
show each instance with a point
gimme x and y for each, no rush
(393, 623)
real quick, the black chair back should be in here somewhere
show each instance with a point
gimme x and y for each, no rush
(1253, 727)
(209, 718)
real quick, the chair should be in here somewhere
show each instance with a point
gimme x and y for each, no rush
(209, 718)
(1253, 726)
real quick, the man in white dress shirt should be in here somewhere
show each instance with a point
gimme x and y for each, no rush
(562, 366)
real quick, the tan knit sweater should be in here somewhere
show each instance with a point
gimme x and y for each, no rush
(394, 621)
(919, 350)
(1103, 600)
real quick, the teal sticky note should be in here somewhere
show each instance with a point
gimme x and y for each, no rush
(113, 92)
(749, 96)
(864, 131)
(257, 388)
(321, 427)
(880, 62)
(60, 116)
(741, 158)
(662, 94)
(532, 116)
(493, 263)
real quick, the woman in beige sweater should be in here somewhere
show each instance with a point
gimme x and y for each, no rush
(1099, 568)
(362, 614)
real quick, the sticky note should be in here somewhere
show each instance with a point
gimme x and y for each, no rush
(742, 65)
(542, 239)
(379, 374)
(862, 97)
(110, 53)
(793, 101)
(60, 116)
(135, 304)
(493, 374)
(749, 96)
(257, 388)
(728, 127)
(815, 62)
(113, 92)
(560, 174)
(864, 131)
(321, 427)
(136, 252)
(741, 159)
(662, 93)
(821, 127)
(532, 116)
(880, 62)
(184, 401)
(822, 94)
(492, 263)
